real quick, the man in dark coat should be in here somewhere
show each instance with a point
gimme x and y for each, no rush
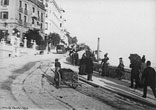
(135, 74)
(149, 77)
(82, 66)
(89, 66)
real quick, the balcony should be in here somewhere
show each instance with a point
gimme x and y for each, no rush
(26, 12)
(34, 15)
(21, 9)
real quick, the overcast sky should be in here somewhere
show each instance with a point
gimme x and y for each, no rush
(124, 26)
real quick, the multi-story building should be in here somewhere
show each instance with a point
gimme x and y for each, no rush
(22, 15)
(54, 20)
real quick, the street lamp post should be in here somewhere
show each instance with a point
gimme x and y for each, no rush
(98, 48)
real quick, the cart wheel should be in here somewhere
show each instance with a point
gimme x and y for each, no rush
(57, 79)
(75, 81)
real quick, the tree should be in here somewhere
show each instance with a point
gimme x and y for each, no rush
(54, 38)
(71, 40)
(4, 34)
(74, 40)
(33, 35)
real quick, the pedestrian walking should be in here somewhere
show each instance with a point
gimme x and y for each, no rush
(120, 69)
(57, 69)
(104, 64)
(142, 67)
(149, 78)
(89, 66)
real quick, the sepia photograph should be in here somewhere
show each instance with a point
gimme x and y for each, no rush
(77, 54)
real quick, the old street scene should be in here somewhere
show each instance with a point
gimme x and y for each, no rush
(77, 54)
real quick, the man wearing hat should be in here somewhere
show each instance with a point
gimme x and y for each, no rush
(149, 78)
(120, 69)
(104, 64)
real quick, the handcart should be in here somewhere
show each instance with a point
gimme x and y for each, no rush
(66, 76)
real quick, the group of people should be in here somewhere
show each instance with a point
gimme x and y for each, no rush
(86, 65)
(105, 69)
(74, 57)
(142, 73)
(144, 76)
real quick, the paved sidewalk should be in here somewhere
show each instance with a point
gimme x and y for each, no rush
(114, 85)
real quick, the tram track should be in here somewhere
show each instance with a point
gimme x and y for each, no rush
(32, 74)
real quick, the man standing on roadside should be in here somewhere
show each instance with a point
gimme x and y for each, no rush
(148, 78)
(89, 66)
(120, 69)
(104, 64)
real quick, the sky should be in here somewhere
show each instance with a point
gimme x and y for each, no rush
(123, 26)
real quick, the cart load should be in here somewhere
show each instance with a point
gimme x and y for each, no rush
(67, 76)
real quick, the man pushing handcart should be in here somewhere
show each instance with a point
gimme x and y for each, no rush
(66, 76)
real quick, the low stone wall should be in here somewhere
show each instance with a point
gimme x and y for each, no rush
(111, 71)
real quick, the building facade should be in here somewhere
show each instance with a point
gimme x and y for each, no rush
(22, 15)
(54, 20)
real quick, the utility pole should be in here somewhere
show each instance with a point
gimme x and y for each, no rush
(98, 48)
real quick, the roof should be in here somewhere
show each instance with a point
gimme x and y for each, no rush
(38, 3)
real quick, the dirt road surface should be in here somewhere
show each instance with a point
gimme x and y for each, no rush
(23, 87)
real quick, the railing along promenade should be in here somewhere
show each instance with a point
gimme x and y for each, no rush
(111, 71)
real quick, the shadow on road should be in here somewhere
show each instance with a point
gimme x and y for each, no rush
(7, 84)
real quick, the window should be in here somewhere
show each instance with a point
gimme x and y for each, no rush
(46, 26)
(5, 2)
(20, 17)
(33, 10)
(4, 15)
(33, 21)
(42, 17)
(60, 24)
(25, 19)
(25, 6)
(38, 15)
(20, 4)
(41, 26)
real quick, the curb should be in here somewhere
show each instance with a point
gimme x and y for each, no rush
(127, 95)
(135, 98)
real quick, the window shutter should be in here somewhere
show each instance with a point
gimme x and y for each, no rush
(0, 15)
(8, 2)
(7, 15)
(1, 2)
